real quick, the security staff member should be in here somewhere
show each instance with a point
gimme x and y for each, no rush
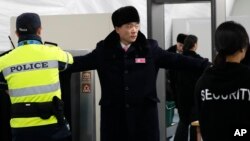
(127, 65)
(31, 72)
(223, 90)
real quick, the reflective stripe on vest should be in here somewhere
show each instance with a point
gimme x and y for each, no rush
(33, 77)
(67, 62)
(30, 66)
(34, 90)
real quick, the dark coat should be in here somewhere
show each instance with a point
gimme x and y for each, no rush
(170, 79)
(222, 95)
(5, 134)
(5, 104)
(128, 99)
(172, 49)
(185, 83)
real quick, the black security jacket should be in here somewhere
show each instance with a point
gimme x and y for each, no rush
(128, 88)
(223, 98)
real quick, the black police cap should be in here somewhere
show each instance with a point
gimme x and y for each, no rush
(28, 23)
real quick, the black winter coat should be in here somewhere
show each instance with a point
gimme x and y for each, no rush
(128, 84)
(172, 49)
(170, 79)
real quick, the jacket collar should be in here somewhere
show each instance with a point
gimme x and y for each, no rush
(30, 37)
(189, 52)
(113, 41)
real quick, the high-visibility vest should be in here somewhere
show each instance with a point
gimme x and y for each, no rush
(32, 75)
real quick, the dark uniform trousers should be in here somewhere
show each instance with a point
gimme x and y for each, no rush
(5, 134)
(54, 132)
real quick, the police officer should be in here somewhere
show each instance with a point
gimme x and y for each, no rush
(127, 64)
(31, 72)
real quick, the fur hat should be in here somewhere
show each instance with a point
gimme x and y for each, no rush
(181, 38)
(125, 15)
(28, 23)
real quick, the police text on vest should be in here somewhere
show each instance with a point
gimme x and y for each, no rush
(31, 66)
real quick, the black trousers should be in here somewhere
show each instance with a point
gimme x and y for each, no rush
(53, 132)
(182, 131)
(184, 127)
(5, 134)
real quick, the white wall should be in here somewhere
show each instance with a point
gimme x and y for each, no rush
(239, 12)
(9, 8)
(229, 6)
(244, 20)
(183, 11)
(78, 31)
(200, 27)
(240, 8)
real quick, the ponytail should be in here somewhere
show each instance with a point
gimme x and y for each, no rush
(220, 59)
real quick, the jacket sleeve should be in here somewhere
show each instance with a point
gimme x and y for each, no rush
(65, 59)
(197, 99)
(168, 60)
(85, 62)
(3, 82)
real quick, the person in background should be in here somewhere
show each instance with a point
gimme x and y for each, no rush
(223, 90)
(185, 84)
(127, 64)
(5, 104)
(5, 134)
(30, 74)
(170, 74)
(178, 47)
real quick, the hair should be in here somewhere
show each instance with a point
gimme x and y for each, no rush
(229, 38)
(246, 60)
(181, 37)
(189, 42)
